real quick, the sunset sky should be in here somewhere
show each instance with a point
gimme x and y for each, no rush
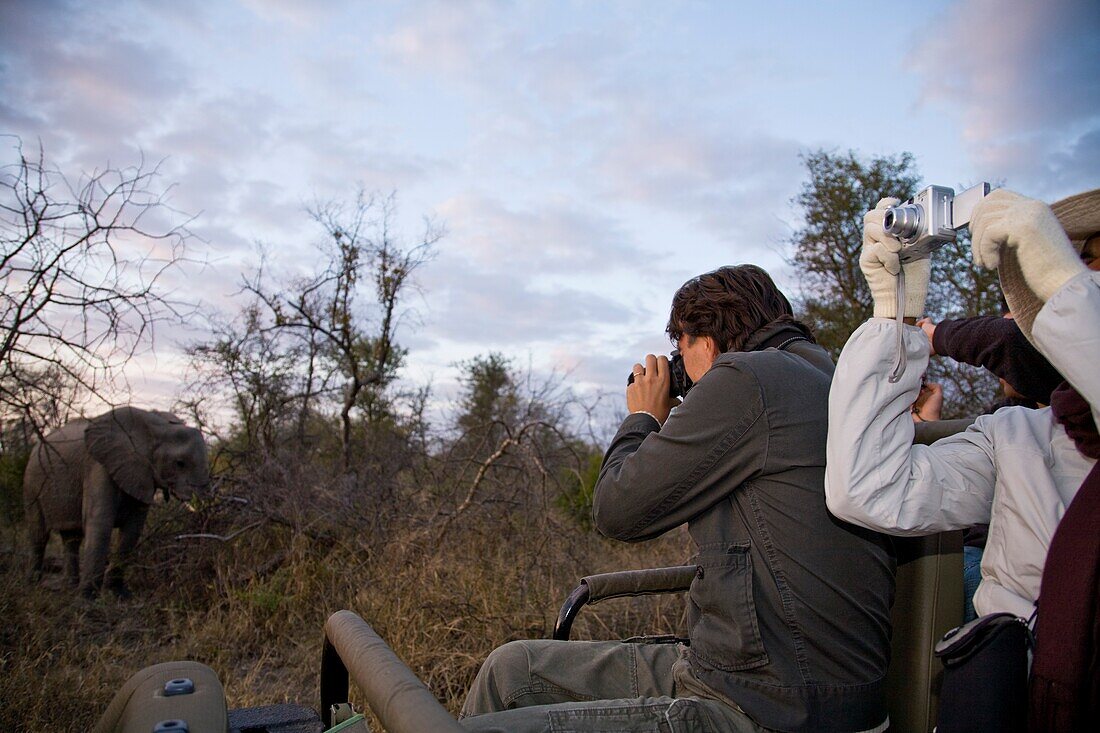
(585, 158)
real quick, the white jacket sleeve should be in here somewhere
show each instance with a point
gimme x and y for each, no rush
(1067, 332)
(874, 476)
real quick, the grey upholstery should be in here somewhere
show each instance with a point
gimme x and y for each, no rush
(142, 702)
(927, 433)
(928, 602)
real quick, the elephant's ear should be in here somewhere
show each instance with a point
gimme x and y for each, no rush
(122, 442)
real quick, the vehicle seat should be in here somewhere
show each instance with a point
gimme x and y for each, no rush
(928, 602)
(180, 692)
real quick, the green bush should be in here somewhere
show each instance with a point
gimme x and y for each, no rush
(576, 499)
(12, 465)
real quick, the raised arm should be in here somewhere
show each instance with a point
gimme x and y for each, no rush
(998, 345)
(1067, 331)
(874, 476)
(1050, 291)
(655, 478)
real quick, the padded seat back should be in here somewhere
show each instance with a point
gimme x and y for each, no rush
(186, 692)
(928, 602)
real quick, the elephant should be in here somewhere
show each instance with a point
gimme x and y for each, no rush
(93, 475)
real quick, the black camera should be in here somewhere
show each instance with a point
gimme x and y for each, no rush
(679, 382)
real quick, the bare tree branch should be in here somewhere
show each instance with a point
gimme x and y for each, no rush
(83, 269)
(328, 312)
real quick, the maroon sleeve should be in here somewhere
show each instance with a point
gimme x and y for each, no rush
(998, 345)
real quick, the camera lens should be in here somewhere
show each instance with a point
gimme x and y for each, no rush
(680, 382)
(902, 222)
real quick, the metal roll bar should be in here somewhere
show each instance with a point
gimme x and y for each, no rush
(401, 701)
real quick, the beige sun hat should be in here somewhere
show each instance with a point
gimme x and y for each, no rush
(1079, 215)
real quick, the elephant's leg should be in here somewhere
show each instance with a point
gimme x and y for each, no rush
(132, 515)
(101, 501)
(93, 558)
(71, 538)
(37, 537)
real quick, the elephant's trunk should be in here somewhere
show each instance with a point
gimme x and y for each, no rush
(191, 493)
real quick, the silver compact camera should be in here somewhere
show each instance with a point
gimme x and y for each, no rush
(930, 219)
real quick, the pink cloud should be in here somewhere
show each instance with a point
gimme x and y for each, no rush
(1024, 78)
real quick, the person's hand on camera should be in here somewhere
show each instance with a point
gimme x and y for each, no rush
(880, 264)
(929, 329)
(648, 392)
(929, 404)
(1006, 220)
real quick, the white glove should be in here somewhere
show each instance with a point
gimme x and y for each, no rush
(1006, 219)
(880, 265)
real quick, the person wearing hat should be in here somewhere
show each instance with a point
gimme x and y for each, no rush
(1030, 474)
(997, 343)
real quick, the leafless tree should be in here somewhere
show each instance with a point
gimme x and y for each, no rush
(353, 335)
(515, 447)
(259, 371)
(82, 269)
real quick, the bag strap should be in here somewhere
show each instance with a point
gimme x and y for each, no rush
(962, 641)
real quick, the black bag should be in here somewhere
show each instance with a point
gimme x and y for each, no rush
(984, 676)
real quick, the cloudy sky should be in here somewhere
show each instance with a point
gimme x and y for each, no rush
(585, 158)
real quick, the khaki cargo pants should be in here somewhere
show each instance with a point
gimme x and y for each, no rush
(592, 686)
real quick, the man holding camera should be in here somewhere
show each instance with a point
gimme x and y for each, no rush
(1031, 474)
(789, 612)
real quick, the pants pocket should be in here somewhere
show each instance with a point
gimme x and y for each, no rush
(629, 716)
(725, 632)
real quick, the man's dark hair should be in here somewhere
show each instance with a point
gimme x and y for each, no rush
(729, 305)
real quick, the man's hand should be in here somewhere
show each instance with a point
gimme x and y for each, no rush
(1006, 220)
(929, 404)
(929, 329)
(880, 265)
(649, 390)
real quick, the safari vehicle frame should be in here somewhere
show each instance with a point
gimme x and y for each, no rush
(927, 603)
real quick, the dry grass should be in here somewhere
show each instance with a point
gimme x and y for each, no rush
(253, 608)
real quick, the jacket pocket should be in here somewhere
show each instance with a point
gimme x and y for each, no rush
(725, 632)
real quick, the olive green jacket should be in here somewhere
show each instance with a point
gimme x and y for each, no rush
(789, 614)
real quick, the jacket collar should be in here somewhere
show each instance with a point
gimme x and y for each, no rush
(778, 335)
